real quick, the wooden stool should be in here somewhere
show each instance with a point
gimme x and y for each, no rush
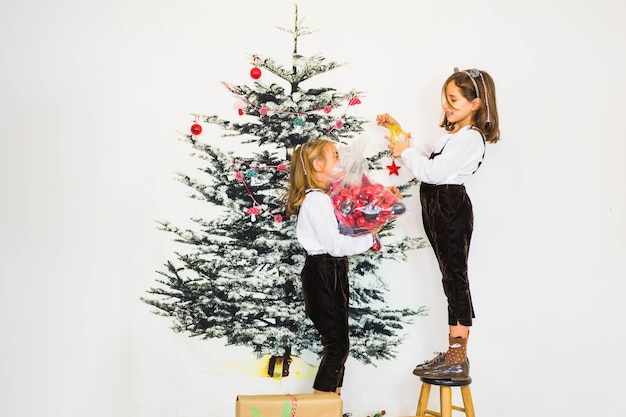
(445, 396)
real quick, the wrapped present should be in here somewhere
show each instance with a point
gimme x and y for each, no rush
(289, 405)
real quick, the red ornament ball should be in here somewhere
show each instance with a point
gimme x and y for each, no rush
(377, 246)
(196, 129)
(255, 73)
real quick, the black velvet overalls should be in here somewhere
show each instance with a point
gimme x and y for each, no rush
(449, 221)
(325, 289)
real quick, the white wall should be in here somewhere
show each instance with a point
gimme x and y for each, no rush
(92, 95)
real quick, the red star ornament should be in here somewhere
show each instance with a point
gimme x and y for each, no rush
(393, 168)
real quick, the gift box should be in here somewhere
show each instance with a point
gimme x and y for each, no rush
(325, 404)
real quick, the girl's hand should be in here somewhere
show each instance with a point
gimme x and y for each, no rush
(374, 232)
(396, 148)
(385, 120)
(395, 191)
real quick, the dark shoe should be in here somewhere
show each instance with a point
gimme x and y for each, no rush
(447, 371)
(271, 365)
(286, 361)
(441, 356)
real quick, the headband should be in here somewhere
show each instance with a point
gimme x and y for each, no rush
(301, 158)
(474, 73)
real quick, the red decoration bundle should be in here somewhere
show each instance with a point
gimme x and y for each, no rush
(361, 208)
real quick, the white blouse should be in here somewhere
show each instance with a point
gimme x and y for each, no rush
(317, 229)
(461, 153)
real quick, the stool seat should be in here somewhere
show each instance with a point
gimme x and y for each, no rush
(445, 398)
(446, 382)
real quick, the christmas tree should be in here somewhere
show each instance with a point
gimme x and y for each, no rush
(240, 278)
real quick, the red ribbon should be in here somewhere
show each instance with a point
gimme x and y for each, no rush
(294, 404)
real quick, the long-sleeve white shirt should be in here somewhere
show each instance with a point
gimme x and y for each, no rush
(462, 153)
(317, 229)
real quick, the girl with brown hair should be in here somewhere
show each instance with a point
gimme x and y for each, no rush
(470, 118)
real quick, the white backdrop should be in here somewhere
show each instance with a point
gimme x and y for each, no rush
(92, 95)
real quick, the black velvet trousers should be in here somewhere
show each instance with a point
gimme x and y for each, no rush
(449, 221)
(325, 290)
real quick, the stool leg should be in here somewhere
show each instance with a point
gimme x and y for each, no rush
(423, 400)
(468, 404)
(446, 401)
